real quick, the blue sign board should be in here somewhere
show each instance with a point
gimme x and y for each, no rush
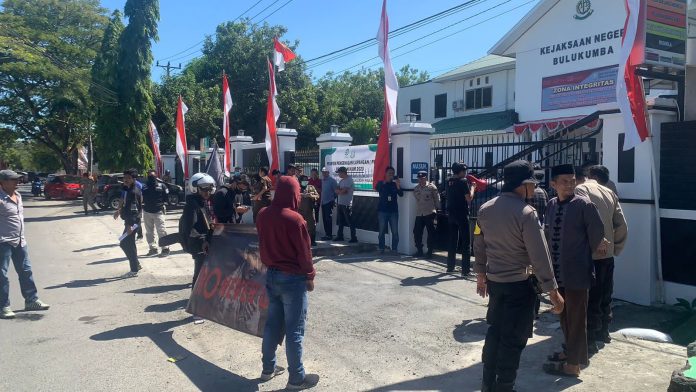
(415, 168)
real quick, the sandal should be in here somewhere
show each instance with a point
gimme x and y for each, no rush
(557, 357)
(557, 369)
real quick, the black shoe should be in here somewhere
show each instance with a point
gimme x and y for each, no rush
(326, 238)
(592, 348)
(604, 337)
(450, 270)
(466, 273)
(152, 252)
(353, 241)
(418, 253)
(165, 252)
(429, 255)
(338, 239)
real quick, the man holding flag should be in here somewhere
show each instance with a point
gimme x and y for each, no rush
(391, 91)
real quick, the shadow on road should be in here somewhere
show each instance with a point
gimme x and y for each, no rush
(205, 375)
(96, 247)
(160, 289)
(169, 307)
(50, 218)
(108, 261)
(85, 283)
(428, 280)
(470, 331)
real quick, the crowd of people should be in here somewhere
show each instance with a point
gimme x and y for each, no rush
(525, 244)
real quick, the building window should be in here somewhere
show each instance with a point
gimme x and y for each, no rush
(416, 108)
(478, 81)
(479, 98)
(441, 105)
(471, 83)
(486, 79)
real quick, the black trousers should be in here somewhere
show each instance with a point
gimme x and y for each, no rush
(599, 314)
(317, 207)
(344, 219)
(459, 243)
(510, 318)
(131, 251)
(198, 260)
(327, 218)
(424, 222)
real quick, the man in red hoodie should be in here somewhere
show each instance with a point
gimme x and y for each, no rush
(290, 276)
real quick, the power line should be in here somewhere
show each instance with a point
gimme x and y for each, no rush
(263, 10)
(203, 40)
(277, 9)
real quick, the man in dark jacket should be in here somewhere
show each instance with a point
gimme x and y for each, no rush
(388, 208)
(154, 198)
(574, 230)
(284, 247)
(227, 201)
(459, 195)
(196, 224)
(130, 212)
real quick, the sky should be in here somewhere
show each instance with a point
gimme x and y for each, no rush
(322, 26)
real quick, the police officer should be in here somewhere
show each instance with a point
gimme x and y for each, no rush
(508, 243)
(459, 195)
(154, 197)
(427, 203)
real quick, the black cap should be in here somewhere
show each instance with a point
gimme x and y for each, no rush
(422, 174)
(457, 167)
(342, 169)
(562, 169)
(518, 173)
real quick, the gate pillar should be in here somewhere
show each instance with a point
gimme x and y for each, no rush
(237, 144)
(327, 141)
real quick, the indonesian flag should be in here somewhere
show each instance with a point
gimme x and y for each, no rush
(181, 147)
(226, 107)
(391, 90)
(272, 114)
(629, 87)
(281, 54)
(155, 139)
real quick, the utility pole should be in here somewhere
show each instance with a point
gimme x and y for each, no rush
(168, 67)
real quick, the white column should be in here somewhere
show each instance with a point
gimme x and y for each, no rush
(237, 144)
(414, 138)
(286, 142)
(327, 141)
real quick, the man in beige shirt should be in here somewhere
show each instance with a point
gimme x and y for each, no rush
(508, 243)
(616, 232)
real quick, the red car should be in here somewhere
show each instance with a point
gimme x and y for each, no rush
(63, 187)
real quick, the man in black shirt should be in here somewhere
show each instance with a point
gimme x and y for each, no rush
(154, 198)
(459, 195)
(130, 213)
(226, 201)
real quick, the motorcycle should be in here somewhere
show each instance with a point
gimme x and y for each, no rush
(37, 187)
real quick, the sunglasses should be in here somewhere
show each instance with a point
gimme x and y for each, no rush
(205, 189)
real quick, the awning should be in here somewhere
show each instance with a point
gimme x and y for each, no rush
(552, 125)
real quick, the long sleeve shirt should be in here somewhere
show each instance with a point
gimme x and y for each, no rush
(388, 192)
(615, 227)
(457, 206)
(427, 199)
(508, 240)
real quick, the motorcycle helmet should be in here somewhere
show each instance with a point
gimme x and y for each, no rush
(200, 180)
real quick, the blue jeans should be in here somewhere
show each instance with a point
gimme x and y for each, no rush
(287, 313)
(393, 219)
(20, 259)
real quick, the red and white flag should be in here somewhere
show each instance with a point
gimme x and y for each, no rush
(281, 54)
(155, 139)
(226, 107)
(629, 87)
(272, 114)
(181, 147)
(391, 91)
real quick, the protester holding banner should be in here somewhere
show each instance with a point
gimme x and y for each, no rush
(284, 246)
(196, 222)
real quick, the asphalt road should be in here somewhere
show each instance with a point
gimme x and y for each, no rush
(374, 324)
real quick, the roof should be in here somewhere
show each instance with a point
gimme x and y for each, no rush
(502, 47)
(493, 121)
(486, 64)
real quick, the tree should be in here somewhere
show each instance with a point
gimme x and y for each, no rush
(363, 130)
(46, 52)
(129, 146)
(103, 93)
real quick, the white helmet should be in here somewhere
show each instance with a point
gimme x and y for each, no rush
(199, 180)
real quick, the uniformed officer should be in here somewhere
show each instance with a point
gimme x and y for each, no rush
(508, 243)
(427, 203)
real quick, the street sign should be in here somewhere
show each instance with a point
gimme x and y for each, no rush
(415, 168)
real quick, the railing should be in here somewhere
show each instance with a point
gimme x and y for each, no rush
(309, 159)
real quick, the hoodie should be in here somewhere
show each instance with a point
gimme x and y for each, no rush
(284, 241)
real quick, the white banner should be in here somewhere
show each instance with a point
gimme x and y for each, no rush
(359, 160)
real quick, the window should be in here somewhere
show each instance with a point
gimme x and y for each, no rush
(479, 98)
(441, 105)
(486, 79)
(471, 83)
(478, 81)
(626, 172)
(416, 108)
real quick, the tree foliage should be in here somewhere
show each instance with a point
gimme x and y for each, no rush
(46, 53)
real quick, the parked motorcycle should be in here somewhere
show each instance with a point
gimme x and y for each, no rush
(37, 187)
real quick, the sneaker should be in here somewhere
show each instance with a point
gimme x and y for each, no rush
(130, 274)
(310, 381)
(277, 372)
(36, 305)
(152, 252)
(7, 313)
(165, 252)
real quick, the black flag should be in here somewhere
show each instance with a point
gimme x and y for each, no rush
(214, 168)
